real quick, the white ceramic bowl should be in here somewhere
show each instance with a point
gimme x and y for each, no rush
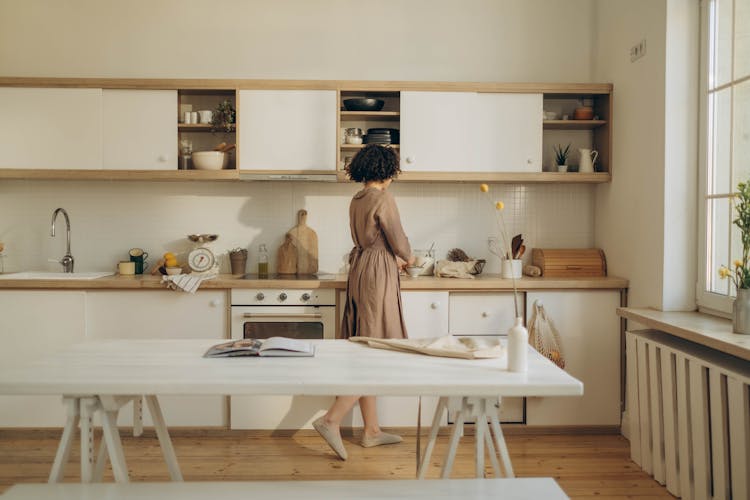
(173, 270)
(413, 271)
(208, 160)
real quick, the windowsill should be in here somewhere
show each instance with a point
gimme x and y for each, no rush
(697, 327)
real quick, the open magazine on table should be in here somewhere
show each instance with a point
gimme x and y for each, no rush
(274, 346)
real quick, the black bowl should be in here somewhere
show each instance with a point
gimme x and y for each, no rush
(364, 104)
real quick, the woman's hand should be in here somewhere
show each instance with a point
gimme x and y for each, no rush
(401, 263)
(411, 260)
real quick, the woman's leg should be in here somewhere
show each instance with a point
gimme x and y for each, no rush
(328, 426)
(373, 435)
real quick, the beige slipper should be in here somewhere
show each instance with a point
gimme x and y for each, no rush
(332, 438)
(382, 438)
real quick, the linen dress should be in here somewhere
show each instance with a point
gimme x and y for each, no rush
(373, 294)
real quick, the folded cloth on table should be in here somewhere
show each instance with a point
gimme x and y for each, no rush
(448, 346)
(450, 269)
(185, 282)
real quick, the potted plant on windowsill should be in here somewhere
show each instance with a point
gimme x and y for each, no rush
(740, 275)
(561, 157)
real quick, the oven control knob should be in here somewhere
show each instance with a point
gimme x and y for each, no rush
(282, 296)
(305, 297)
(260, 296)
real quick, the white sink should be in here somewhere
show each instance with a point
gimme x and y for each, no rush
(41, 275)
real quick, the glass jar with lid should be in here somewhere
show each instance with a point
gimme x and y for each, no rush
(354, 135)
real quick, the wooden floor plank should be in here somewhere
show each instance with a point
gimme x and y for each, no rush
(585, 466)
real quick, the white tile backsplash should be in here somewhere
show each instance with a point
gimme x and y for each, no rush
(109, 218)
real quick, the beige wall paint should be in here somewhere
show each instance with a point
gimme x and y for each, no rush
(629, 220)
(443, 40)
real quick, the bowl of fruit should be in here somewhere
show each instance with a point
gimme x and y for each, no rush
(168, 264)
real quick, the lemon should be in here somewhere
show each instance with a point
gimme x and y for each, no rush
(171, 262)
(169, 255)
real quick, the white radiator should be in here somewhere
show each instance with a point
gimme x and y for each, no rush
(689, 414)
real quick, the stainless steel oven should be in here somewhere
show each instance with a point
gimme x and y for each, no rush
(293, 313)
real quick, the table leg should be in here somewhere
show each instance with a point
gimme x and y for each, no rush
(164, 440)
(114, 445)
(442, 402)
(66, 440)
(490, 447)
(138, 416)
(501, 447)
(88, 406)
(458, 428)
(101, 462)
(479, 440)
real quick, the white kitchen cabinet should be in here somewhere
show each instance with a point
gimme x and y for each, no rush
(487, 314)
(164, 315)
(507, 133)
(34, 324)
(287, 129)
(51, 128)
(483, 313)
(425, 313)
(436, 131)
(590, 333)
(471, 132)
(139, 129)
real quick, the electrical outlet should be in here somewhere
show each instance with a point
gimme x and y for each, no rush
(638, 50)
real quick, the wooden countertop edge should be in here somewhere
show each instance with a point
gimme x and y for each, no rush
(646, 317)
(226, 281)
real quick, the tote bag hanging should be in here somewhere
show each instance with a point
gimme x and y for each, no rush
(544, 336)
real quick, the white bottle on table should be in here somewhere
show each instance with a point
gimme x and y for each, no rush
(518, 340)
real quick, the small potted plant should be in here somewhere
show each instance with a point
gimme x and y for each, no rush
(739, 272)
(223, 117)
(561, 157)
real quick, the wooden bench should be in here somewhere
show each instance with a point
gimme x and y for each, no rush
(465, 489)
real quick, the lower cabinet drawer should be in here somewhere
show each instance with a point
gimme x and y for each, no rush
(483, 313)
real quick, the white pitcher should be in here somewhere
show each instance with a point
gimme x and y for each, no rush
(588, 158)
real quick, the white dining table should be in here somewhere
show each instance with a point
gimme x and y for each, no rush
(101, 376)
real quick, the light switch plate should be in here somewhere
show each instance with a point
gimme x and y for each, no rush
(638, 50)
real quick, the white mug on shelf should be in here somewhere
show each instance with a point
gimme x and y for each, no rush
(206, 115)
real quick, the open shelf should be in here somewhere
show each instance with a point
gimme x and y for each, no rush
(119, 175)
(573, 124)
(370, 115)
(360, 146)
(501, 177)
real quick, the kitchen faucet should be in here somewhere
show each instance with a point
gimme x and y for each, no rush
(67, 261)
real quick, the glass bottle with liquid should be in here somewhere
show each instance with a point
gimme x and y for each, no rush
(262, 261)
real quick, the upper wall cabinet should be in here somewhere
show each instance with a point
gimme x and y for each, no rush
(51, 128)
(507, 133)
(289, 130)
(436, 131)
(139, 129)
(471, 132)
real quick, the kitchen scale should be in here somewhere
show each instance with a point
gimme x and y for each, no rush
(201, 259)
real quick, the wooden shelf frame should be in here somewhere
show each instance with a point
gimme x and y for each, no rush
(602, 128)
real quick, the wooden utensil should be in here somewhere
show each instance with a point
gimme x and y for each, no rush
(515, 244)
(306, 241)
(286, 260)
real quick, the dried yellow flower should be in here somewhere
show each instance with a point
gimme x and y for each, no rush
(499, 205)
(484, 188)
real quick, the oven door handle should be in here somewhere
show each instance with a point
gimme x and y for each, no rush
(291, 317)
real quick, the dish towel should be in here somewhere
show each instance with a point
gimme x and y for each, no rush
(450, 269)
(448, 346)
(185, 282)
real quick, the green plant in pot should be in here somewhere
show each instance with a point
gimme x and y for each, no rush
(561, 156)
(740, 274)
(224, 117)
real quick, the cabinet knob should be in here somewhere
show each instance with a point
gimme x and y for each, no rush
(434, 305)
(529, 161)
(484, 314)
(410, 159)
(215, 303)
(163, 158)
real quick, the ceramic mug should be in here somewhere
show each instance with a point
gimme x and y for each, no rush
(138, 258)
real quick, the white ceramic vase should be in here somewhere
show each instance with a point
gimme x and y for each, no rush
(518, 340)
(741, 311)
(511, 268)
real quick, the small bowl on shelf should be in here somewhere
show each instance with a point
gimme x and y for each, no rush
(171, 271)
(209, 160)
(414, 271)
(364, 104)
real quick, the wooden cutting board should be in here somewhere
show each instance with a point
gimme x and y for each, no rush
(306, 242)
(286, 259)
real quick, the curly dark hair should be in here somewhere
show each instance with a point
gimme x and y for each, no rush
(374, 163)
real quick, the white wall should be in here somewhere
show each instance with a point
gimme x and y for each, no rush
(109, 218)
(470, 40)
(629, 222)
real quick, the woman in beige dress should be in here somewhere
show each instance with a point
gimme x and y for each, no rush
(373, 296)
